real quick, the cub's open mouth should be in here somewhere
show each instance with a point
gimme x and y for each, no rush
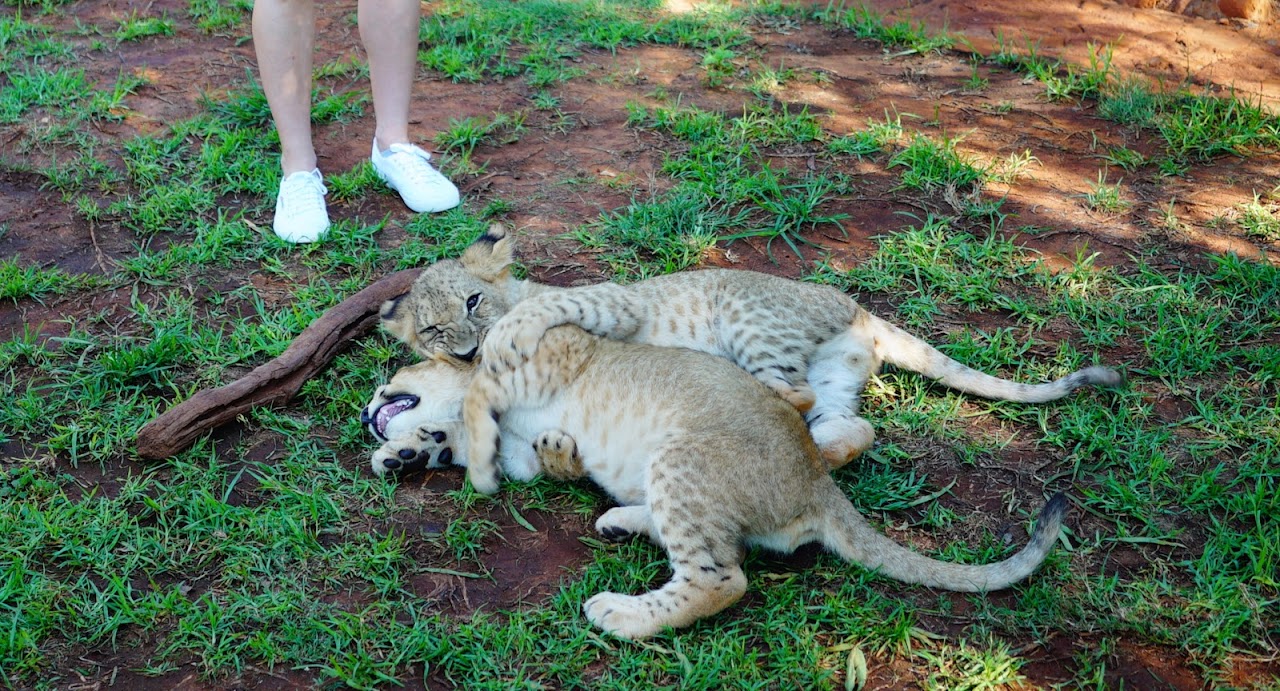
(378, 420)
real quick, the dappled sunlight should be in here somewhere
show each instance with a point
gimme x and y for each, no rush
(1053, 152)
(1162, 46)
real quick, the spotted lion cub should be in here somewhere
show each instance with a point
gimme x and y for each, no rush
(704, 461)
(810, 343)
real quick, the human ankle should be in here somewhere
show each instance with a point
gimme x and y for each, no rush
(386, 142)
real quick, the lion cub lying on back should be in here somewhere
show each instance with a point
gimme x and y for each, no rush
(810, 343)
(702, 459)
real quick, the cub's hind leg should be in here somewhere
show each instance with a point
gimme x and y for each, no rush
(838, 373)
(703, 581)
(777, 360)
(705, 553)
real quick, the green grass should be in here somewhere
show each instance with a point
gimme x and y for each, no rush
(1258, 219)
(1190, 326)
(134, 27)
(270, 549)
(864, 22)
(928, 164)
(18, 281)
(1104, 196)
(1062, 81)
(219, 18)
(1193, 126)
(667, 234)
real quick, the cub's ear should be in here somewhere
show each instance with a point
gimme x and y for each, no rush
(397, 319)
(489, 258)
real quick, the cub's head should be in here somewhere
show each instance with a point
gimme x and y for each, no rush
(418, 416)
(449, 309)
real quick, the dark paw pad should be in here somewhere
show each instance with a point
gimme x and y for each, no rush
(614, 534)
(437, 437)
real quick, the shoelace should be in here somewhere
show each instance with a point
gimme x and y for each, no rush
(297, 190)
(418, 165)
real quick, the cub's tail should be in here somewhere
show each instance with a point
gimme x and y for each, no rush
(849, 535)
(901, 349)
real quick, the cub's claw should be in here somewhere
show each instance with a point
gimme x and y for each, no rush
(613, 533)
(620, 615)
(800, 396)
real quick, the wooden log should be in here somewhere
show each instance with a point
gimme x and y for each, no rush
(276, 381)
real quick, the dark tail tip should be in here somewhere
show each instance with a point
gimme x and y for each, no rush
(495, 233)
(1118, 379)
(1104, 377)
(1056, 510)
(1049, 524)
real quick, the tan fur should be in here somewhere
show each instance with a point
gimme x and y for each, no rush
(811, 344)
(704, 481)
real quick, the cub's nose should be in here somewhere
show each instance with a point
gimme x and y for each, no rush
(365, 417)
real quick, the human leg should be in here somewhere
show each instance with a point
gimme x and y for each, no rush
(283, 39)
(389, 30)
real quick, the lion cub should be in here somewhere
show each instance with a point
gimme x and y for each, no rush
(811, 344)
(703, 460)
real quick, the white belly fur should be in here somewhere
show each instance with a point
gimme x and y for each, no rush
(617, 458)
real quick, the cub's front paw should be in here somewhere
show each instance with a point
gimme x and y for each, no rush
(510, 343)
(557, 453)
(621, 615)
(426, 448)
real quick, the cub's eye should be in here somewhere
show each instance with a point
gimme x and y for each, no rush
(473, 301)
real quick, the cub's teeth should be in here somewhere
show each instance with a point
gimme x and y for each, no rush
(383, 417)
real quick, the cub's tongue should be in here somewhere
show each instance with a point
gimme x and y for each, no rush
(391, 409)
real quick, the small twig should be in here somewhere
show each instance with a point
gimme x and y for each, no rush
(470, 186)
(268, 673)
(97, 250)
(1086, 233)
(904, 202)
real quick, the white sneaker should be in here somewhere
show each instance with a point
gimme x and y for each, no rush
(300, 212)
(407, 169)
